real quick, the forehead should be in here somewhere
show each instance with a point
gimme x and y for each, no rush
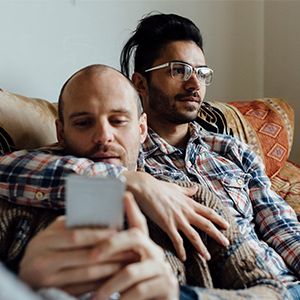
(100, 93)
(186, 51)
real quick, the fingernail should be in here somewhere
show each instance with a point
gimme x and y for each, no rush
(207, 256)
(225, 242)
(183, 257)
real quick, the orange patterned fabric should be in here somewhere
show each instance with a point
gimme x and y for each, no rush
(266, 124)
(271, 126)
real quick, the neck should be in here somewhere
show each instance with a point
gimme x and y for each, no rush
(175, 134)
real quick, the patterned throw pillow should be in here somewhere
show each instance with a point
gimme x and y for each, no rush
(266, 124)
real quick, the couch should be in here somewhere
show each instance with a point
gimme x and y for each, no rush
(266, 125)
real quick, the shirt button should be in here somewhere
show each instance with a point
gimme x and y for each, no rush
(240, 181)
(189, 164)
(39, 195)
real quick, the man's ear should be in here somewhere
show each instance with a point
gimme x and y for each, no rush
(143, 127)
(60, 132)
(140, 84)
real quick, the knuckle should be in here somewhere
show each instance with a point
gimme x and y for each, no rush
(135, 234)
(75, 237)
(47, 281)
(194, 237)
(91, 273)
(178, 240)
(141, 290)
(39, 264)
(92, 254)
(208, 225)
(130, 271)
(210, 212)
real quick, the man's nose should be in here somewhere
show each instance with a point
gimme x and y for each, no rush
(103, 133)
(193, 83)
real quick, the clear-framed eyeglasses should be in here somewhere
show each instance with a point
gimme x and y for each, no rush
(183, 71)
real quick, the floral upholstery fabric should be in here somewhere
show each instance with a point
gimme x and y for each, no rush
(266, 124)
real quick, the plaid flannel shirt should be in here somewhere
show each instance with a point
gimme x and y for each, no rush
(232, 171)
(36, 177)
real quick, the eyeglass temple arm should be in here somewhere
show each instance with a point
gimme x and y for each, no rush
(158, 67)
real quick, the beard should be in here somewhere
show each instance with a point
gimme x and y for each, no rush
(172, 108)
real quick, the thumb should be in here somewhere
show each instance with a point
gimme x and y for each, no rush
(190, 191)
(135, 217)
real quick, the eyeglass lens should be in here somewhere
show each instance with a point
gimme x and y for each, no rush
(184, 72)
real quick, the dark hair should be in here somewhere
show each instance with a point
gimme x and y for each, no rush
(90, 69)
(152, 34)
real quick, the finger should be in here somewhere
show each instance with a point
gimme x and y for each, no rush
(195, 239)
(129, 240)
(134, 215)
(210, 214)
(77, 238)
(80, 289)
(153, 288)
(85, 274)
(58, 223)
(210, 229)
(126, 256)
(177, 241)
(128, 277)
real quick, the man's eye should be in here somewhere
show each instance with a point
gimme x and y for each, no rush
(119, 121)
(178, 70)
(83, 123)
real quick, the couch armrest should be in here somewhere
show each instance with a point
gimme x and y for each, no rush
(287, 184)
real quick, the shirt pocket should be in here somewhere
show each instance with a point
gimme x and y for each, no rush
(236, 187)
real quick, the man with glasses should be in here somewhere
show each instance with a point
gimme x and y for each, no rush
(182, 71)
(171, 75)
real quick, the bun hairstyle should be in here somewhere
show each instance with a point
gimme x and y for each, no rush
(152, 34)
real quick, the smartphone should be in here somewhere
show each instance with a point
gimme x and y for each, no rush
(94, 202)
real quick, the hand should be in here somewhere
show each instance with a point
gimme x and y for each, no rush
(172, 209)
(64, 258)
(150, 277)
(75, 261)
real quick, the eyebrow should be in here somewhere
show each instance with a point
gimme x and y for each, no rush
(184, 62)
(86, 113)
(79, 114)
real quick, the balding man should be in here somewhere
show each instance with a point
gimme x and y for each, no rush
(96, 124)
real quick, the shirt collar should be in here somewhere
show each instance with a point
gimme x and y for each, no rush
(154, 143)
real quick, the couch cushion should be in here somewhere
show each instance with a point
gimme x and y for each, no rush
(25, 122)
(266, 124)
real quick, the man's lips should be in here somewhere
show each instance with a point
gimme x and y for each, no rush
(190, 99)
(106, 157)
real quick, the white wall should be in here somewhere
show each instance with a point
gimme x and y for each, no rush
(282, 58)
(44, 41)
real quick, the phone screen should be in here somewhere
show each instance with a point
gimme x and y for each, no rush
(94, 202)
